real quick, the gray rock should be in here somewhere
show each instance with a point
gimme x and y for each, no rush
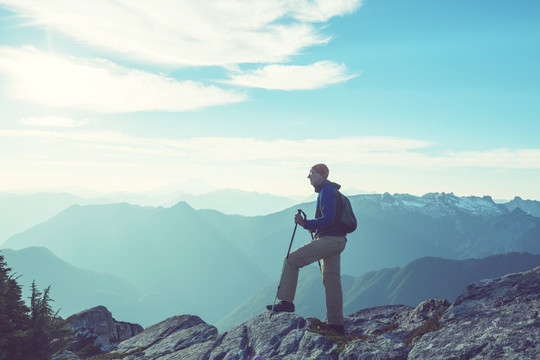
(491, 319)
(282, 336)
(98, 327)
(429, 309)
(314, 346)
(372, 322)
(169, 337)
(380, 331)
(379, 348)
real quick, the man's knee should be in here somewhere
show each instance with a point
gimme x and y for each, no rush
(295, 260)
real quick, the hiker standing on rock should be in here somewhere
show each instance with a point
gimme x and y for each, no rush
(329, 241)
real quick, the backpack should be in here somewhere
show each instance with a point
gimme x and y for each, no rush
(346, 215)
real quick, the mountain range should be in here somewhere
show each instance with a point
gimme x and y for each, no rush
(233, 201)
(207, 262)
(172, 252)
(531, 207)
(20, 211)
(420, 280)
(394, 230)
(73, 288)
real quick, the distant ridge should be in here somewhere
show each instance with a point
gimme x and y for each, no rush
(168, 250)
(394, 230)
(531, 207)
(172, 253)
(73, 288)
(20, 212)
(237, 202)
(420, 280)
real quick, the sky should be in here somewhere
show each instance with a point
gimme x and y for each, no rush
(394, 96)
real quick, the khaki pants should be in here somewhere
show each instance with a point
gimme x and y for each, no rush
(327, 248)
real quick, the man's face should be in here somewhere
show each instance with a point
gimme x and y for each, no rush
(315, 178)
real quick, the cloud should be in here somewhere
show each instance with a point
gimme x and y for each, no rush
(189, 32)
(496, 158)
(243, 152)
(100, 85)
(53, 121)
(322, 10)
(112, 161)
(294, 77)
(228, 149)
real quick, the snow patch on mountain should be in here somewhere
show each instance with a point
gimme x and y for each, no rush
(437, 205)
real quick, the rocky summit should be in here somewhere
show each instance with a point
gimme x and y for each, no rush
(95, 330)
(491, 319)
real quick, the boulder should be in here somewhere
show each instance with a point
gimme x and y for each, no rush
(491, 319)
(281, 336)
(97, 329)
(168, 339)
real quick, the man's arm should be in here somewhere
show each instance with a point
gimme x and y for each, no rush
(328, 210)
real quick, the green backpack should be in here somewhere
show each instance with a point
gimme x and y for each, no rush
(346, 216)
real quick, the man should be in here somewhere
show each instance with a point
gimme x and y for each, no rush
(329, 241)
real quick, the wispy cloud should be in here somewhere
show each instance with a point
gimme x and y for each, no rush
(100, 85)
(53, 121)
(112, 161)
(172, 33)
(189, 32)
(495, 158)
(294, 77)
(229, 149)
(354, 151)
(322, 10)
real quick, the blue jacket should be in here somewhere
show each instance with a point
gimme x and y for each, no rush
(325, 213)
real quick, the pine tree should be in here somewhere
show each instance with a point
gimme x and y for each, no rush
(48, 333)
(35, 333)
(6, 330)
(14, 318)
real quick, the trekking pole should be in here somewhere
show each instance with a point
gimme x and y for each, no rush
(305, 219)
(284, 262)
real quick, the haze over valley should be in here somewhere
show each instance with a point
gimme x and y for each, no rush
(147, 263)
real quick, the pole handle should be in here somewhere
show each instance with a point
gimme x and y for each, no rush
(304, 216)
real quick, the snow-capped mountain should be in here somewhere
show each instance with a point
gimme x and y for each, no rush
(395, 229)
(437, 205)
(529, 206)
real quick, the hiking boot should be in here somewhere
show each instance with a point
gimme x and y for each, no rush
(282, 306)
(340, 329)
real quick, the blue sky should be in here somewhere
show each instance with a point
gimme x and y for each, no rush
(416, 96)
